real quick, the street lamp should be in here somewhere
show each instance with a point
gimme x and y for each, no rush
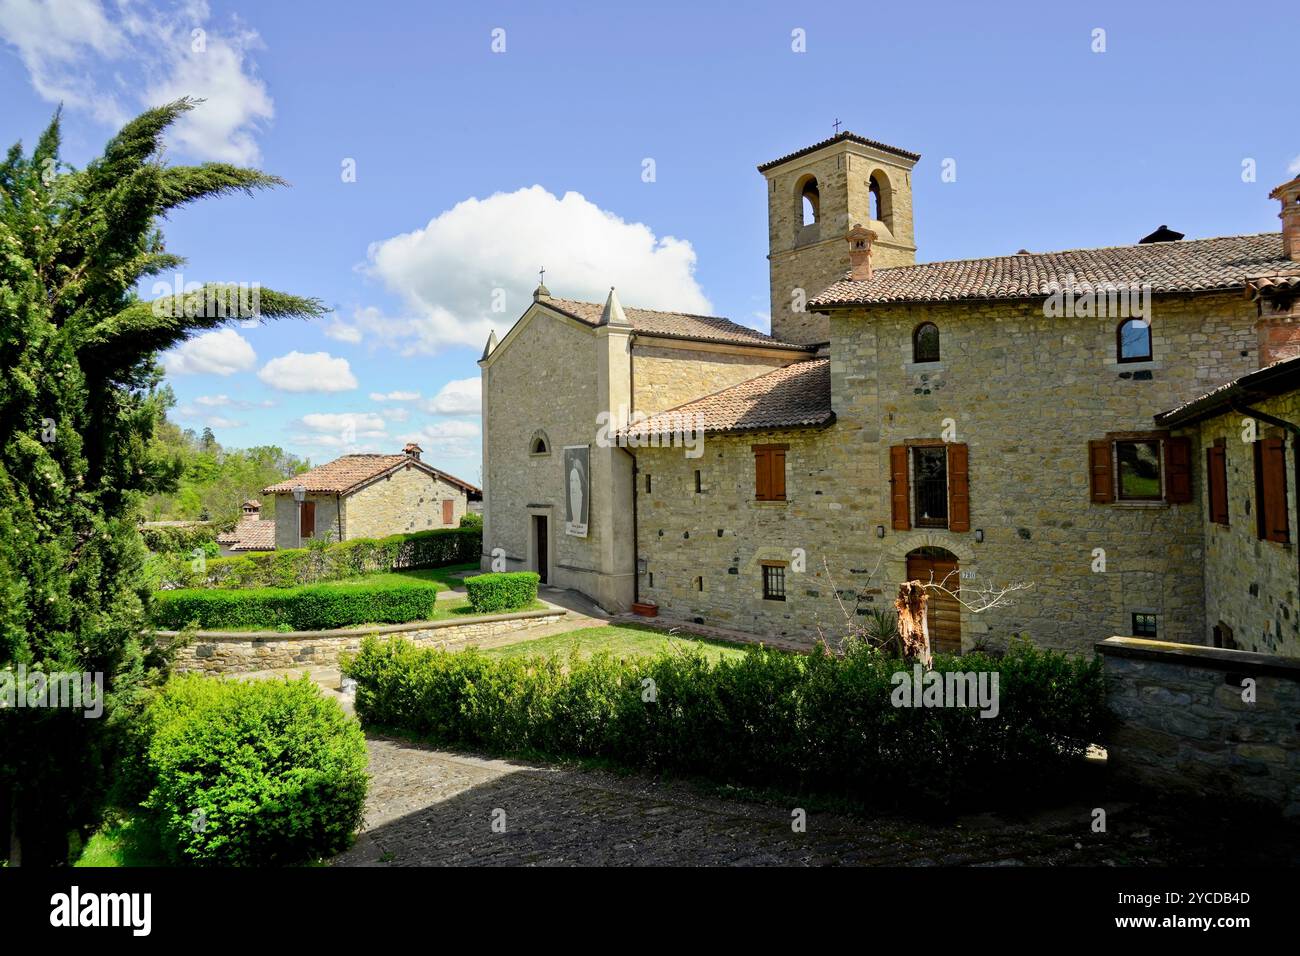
(299, 495)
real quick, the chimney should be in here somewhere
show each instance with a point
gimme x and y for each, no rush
(252, 506)
(1289, 195)
(413, 450)
(860, 240)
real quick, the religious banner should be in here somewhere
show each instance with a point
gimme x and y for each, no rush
(577, 489)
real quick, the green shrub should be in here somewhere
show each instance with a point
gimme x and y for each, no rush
(252, 773)
(820, 722)
(179, 539)
(308, 608)
(502, 591)
(324, 561)
(471, 519)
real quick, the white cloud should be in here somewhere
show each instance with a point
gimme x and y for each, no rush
(344, 431)
(113, 62)
(464, 396)
(222, 352)
(396, 414)
(458, 278)
(342, 332)
(444, 441)
(225, 401)
(308, 372)
(394, 396)
(1294, 168)
(217, 421)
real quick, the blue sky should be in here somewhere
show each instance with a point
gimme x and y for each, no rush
(474, 168)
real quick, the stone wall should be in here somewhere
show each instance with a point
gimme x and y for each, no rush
(213, 652)
(286, 519)
(1026, 394)
(664, 377)
(1250, 584)
(410, 499)
(1189, 719)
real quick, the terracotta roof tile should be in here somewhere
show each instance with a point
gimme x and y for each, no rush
(250, 534)
(795, 396)
(1193, 265)
(709, 328)
(343, 474)
(846, 135)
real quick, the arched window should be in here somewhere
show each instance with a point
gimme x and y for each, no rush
(1133, 341)
(925, 343)
(809, 201)
(539, 444)
(877, 210)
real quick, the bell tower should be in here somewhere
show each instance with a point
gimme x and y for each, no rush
(814, 197)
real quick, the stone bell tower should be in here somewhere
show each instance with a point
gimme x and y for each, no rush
(814, 196)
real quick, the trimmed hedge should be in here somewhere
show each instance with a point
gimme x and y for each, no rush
(502, 590)
(770, 719)
(182, 539)
(309, 608)
(292, 567)
(251, 773)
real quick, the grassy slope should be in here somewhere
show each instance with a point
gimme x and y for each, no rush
(621, 640)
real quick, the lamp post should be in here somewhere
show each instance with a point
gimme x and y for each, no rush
(299, 495)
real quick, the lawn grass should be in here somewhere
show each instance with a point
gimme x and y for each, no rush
(122, 841)
(621, 640)
(440, 579)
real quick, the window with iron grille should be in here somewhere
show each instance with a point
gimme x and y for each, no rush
(774, 582)
(1144, 625)
(930, 481)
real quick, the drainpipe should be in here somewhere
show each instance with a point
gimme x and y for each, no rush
(636, 563)
(1294, 429)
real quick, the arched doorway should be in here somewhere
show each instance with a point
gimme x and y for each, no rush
(943, 611)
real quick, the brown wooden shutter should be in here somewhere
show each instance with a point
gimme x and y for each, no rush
(307, 520)
(1178, 470)
(448, 510)
(763, 474)
(1216, 478)
(898, 488)
(1102, 476)
(958, 487)
(1270, 483)
(777, 481)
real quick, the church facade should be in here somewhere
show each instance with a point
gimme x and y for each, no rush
(1004, 422)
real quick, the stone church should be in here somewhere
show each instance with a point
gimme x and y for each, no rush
(1113, 431)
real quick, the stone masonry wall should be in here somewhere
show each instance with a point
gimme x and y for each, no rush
(1250, 584)
(286, 519)
(1187, 722)
(245, 653)
(1026, 394)
(407, 500)
(667, 377)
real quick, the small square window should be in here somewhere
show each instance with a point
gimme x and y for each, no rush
(1144, 625)
(1138, 466)
(773, 582)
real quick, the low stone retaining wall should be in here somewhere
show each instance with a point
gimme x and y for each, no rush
(242, 652)
(1215, 721)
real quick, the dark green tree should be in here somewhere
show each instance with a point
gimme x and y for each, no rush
(80, 400)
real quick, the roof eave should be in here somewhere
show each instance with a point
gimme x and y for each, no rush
(1265, 383)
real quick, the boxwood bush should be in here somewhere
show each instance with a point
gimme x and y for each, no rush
(502, 591)
(822, 722)
(179, 539)
(252, 773)
(309, 608)
(292, 567)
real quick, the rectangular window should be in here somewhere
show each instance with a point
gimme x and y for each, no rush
(773, 582)
(307, 519)
(1144, 625)
(769, 472)
(448, 511)
(1216, 480)
(647, 484)
(1270, 490)
(650, 579)
(1137, 464)
(930, 481)
(699, 485)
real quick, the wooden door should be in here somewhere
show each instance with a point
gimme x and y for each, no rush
(540, 545)
(307, 519)
(448, 511)
(943, 612)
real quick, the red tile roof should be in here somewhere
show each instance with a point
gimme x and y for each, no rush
(708, 328)
(840, 137)
(1193, 265)
(249, 534)
(343, 474)
(795, 396)
(1277, 378)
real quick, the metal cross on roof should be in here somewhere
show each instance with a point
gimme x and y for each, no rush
(542, 275)
(837, 126)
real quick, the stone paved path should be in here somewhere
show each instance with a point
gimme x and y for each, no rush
(431, 807)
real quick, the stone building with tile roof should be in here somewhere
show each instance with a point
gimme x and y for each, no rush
(980, 422)
(368, 496)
